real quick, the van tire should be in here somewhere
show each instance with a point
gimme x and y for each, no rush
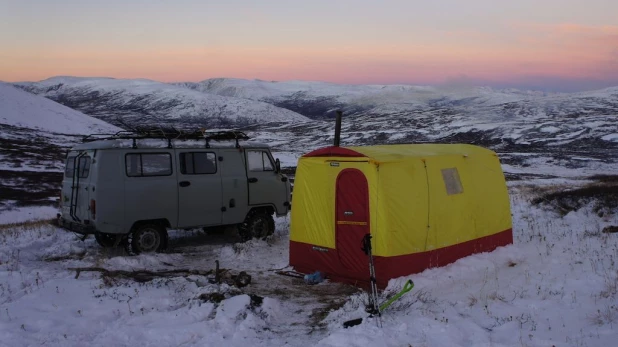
(148, 238)
(105, 240)
(258, 224)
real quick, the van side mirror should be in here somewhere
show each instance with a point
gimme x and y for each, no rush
(277, 165)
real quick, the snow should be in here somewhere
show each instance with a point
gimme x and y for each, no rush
(556, 285)
(22, 109)
(27, 214)
(610, 137)
(550, 129)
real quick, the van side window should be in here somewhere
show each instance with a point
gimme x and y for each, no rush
(84, 167)
(148, 164)
(198, 163)
(259, 161)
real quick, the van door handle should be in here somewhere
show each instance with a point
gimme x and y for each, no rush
(252, 180)
(184, 183)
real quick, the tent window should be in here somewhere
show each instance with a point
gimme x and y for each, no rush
(452, 181)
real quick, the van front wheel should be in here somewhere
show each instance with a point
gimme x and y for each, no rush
(148, 238)
(258, 224)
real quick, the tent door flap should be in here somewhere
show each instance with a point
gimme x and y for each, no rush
(352, 218)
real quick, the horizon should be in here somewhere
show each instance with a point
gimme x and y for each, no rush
(556, 46)
(504, 86)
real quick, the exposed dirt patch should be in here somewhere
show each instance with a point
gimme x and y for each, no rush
(602, 194)
(78, 256)
(29, 188)
(319, 299)
(31, 165)
(610, 229)
(29, 224)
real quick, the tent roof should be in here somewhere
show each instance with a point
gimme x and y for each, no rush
(385, 153)
(334, 151)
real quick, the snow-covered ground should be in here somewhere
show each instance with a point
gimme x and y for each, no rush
(557, 285)
(27, 214)
(22, 109)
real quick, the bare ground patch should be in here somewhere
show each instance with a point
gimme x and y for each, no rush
(602, 194)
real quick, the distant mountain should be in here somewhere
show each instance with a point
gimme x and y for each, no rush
(320, 100)
(373, 113)
(398, 113)
(122, 101)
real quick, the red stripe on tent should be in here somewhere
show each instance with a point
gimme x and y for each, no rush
(307, 258)
(333, 151)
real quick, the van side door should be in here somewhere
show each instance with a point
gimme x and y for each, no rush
(199, 188)
(264, 182)
(234, 185)
(150, 187)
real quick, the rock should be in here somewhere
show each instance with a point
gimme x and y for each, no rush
(256, 301)
(243, 279)
(611, 229)
(212, 297)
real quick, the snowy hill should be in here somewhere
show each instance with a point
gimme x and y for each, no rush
(35, 133)
(21, 109)
(120, 101)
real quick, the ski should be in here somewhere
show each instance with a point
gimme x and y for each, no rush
(406, 288)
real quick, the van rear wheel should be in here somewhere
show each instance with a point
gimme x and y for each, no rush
(148, 238)
(258, 224)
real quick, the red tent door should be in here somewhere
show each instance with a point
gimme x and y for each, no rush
(352, 218)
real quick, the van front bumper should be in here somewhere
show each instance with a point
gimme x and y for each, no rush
(76, 227)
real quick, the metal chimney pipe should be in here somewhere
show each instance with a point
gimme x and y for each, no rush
(338, 129)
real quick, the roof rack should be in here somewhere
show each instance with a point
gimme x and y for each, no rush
(170, 134)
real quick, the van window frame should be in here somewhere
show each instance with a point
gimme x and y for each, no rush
(264, 153)
(182, 161)
(83, 171)
(141, 164)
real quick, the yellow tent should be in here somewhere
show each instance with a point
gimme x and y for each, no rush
(425, 205)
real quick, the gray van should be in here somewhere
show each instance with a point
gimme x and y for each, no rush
(130, 187)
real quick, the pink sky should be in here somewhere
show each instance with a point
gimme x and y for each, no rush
(490, 45)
